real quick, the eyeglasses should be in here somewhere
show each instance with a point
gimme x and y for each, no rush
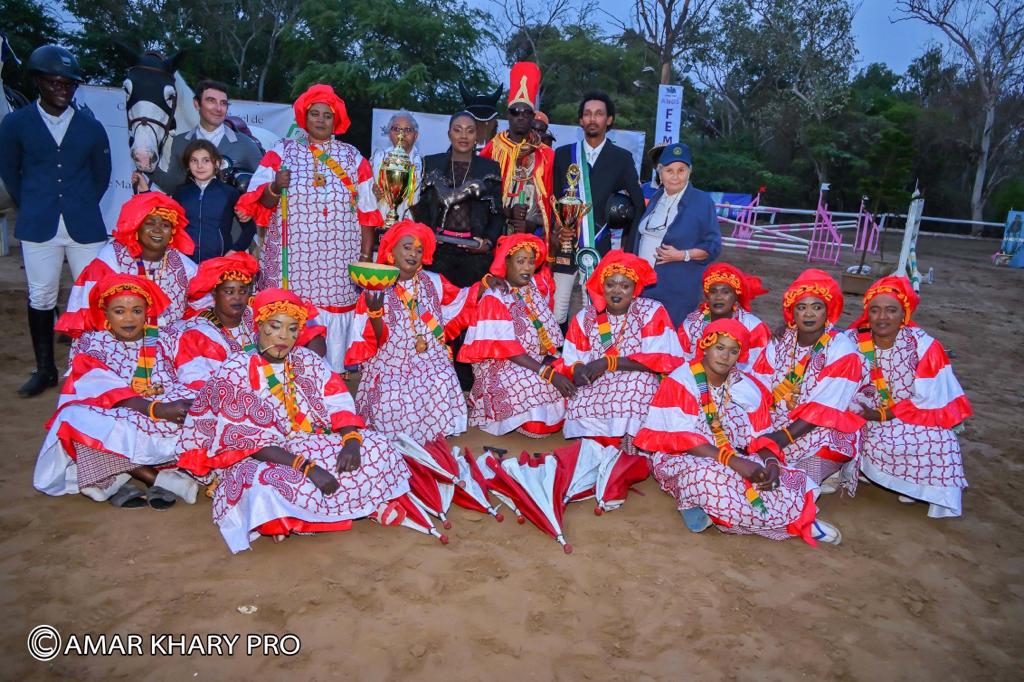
(406, 131)
(517, 112)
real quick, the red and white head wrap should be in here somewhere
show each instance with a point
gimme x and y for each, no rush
(270, 302)
(818, 284)
(407, 228)
(513, 243)
(727, 326)
(747, 287)
(135, 211)
(899, 288)
(115, 285)
(322, 94)
(239, 267)
(618, 262)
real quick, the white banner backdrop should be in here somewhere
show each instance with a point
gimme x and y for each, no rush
(433, 137)
(107, 104)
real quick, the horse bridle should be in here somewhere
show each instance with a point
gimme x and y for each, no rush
(153, 124)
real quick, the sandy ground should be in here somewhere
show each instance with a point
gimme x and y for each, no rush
(641, 598)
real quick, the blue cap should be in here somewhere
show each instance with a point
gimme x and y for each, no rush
(675, 152)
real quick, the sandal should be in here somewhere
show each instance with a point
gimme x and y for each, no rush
(160, 498)
(128, 497)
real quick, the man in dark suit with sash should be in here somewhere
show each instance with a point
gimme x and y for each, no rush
(56, 165)
(604, 170)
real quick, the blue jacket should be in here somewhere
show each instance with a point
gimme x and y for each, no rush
(680, 286)
(47, 181)
(210, 213)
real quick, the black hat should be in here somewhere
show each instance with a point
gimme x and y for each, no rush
(619, 211)
(480, 107)
(54, 60)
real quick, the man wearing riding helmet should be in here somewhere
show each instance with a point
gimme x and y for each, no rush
(56, 166)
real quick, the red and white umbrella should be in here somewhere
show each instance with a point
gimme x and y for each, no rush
(433, 474)
(404, 510)
(538, 486)
(581, 462)
(471, 492)
(494, 485)
(615, 476)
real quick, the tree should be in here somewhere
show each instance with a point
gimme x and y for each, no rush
(29, 25)
(989, 37)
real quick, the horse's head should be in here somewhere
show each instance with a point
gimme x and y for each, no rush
(151, 100)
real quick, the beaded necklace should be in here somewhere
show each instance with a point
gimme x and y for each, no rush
(788, 390)
(866, 346)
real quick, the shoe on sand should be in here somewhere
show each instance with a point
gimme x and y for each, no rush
(696, 519)
(905, 500)
(823, 531)
(830, 485)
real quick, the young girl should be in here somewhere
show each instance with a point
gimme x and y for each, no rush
(210, 204)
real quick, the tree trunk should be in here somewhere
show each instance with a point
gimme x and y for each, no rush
(666, 71)
(977, 192)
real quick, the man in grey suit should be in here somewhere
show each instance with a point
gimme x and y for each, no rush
(211, 101)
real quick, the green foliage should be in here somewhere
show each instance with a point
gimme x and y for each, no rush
(28, 25)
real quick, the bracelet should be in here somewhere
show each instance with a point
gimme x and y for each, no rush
(366, 257)
(613, 362)
(352, 435)
(686, 256)
(789, 435)
(298, 462)
(769, 460)
(546, 372)
(882, 414)
(725, 454)
(572, 369)
(308, 467)
(152, 410)
(271, 192)
(375, 314)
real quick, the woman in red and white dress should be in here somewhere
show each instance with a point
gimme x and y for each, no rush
(911, 400)
(149, 241)
(615, 350)
(120, 411)
(513, 345)
(813, 371)
(280, 429)
(316, 200)
(705, 435)
(728, 292)
(203, 342)
(407, 382)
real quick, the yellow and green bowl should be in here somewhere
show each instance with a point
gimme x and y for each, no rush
(373, 276)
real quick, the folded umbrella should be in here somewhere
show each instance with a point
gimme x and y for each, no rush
(581, 461)
(471, 492)
(494, 485)
(537, 485)
(404, 510)
(615, 476)
(433, 474)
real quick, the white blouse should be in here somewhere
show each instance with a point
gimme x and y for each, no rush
(655, 225)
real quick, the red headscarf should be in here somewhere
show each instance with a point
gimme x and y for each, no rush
(270, 302)
(116, 285)
(747, 287)
(406, 228)
(734, 329)
(138, 208)
(322, 94)
(238, 266)
(899, 288)
(816, 283)
(619, 262)
(509, 244)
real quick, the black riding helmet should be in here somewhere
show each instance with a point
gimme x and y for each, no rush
(619, 211)
(54, 60)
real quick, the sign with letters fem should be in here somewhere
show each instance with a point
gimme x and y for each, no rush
(670, 110)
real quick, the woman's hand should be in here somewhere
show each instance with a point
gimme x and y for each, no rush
(349, 459)
(748, 469)
(140, 182)
(323, 480)
(564, 386)
(173, 411)
(282, 179)
(374, 300)
(772, 473)
(670, 254)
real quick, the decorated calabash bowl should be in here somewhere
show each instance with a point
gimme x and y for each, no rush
(373, 276)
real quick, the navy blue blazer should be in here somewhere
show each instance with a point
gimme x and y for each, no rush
(680, 287)
(211, 214)
(47, 181)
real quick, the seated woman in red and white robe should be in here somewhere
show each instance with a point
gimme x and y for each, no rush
(149, 241)
(280, 429)
(407, 383)
(728, 292)
(513, 345)
(704, 434)
(202, 343)
(813, 371)
(121, 408)
(615, 350)
(911, 400)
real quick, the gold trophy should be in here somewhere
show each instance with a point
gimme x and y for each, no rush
(393, 179)
(569, 212)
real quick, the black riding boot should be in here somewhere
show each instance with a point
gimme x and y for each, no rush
(40, 325)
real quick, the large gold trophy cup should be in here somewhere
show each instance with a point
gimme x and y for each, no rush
(393, 179)
(569, 212)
